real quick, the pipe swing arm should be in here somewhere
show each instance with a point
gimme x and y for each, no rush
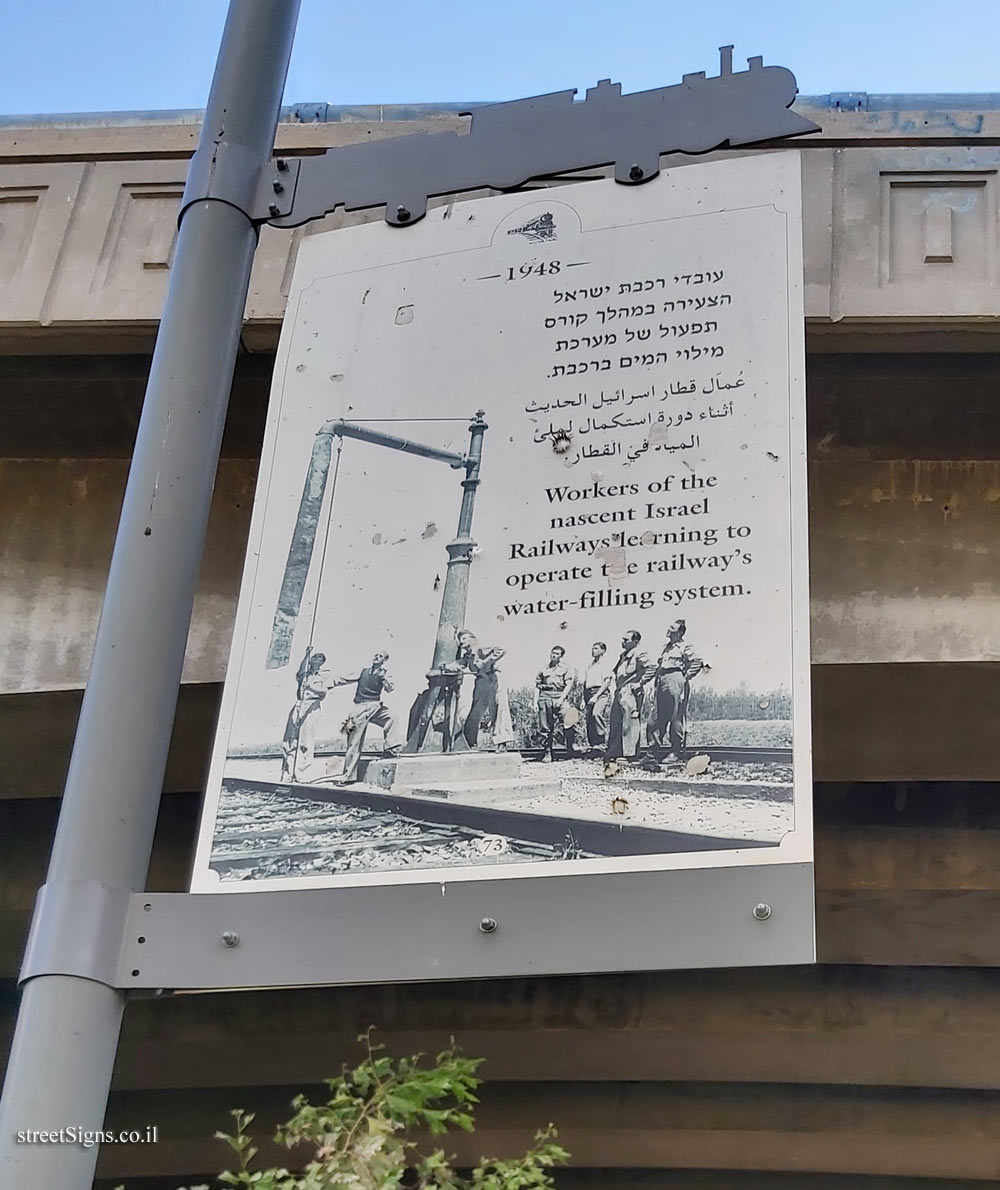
(347, 429)
(303, 541)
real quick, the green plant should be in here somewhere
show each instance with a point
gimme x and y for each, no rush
(361, 1138)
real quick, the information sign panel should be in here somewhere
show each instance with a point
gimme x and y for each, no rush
(526, 588)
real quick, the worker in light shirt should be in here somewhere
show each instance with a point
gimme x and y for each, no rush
(626, 690)
(299, 742)
(597, 695)
(556, 713)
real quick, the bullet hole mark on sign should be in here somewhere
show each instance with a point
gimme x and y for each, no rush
(404, 315)
(697, 765)
(430, 531)
(612, 559)
(561, 441)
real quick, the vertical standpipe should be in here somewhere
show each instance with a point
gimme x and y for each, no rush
(455, 595)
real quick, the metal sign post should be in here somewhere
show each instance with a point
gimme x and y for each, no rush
(67, 1029)
(95, 934)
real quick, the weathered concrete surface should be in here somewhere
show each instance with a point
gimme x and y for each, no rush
(59, 523)
(905, 564)
(915, 233)
(904, 507)
(905, 560)
(88, 406)
(904, 510)
(894, 229)
(36, 734)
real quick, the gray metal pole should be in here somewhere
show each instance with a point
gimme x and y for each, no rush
(67, 1030)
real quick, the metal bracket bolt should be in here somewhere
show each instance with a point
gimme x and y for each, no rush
(489, 925)
(230, 939)
(402, 214)
(761, 911)
(277, 186)
(636, 173)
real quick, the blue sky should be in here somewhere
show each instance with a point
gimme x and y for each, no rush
(72, 55)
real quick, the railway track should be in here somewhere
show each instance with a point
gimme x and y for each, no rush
(741, 755)
(745, 755)
(290, 831)
(266, 830)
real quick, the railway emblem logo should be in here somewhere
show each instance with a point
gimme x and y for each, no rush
(542, 228)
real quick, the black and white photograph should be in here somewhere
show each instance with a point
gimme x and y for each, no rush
(525, 587)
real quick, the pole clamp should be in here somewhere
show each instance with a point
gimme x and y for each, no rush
(77, 929)
(224, 171)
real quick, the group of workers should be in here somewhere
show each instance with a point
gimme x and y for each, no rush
(632, 708)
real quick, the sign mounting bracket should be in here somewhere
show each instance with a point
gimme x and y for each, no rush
(509, 144)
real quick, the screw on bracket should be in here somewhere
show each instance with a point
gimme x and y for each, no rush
(636, 173)
(488, 925)
(274, 210)
(402, 214)
(761, 911)
(277, 186)
(230, 939)
(282, 164)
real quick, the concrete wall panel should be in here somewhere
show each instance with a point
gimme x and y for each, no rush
(905, 560)
(915, 233)
(36, 205)
(904, 510)
(119, 250)
(905, 563)
(817, 230)
(59, 523)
